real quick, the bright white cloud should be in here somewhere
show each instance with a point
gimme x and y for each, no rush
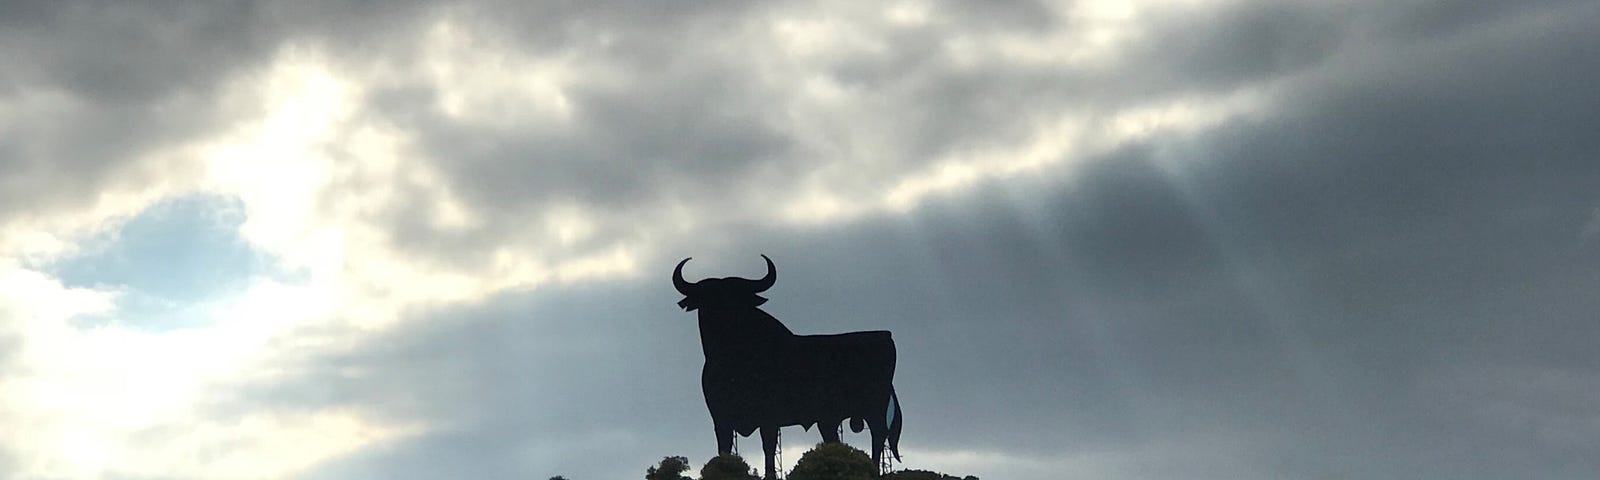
(489, 84)
(111, 400)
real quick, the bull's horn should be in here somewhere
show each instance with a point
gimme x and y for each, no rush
(766, 282)
(678, 282)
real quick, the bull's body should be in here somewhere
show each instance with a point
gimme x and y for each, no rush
(761, 376)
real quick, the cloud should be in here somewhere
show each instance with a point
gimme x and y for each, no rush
(1229, 239)
(1592, 227)
(92, 403)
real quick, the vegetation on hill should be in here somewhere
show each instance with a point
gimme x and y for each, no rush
(834, 461)
(923, 475)
(671, 468)
(827, 461)
(728, 467)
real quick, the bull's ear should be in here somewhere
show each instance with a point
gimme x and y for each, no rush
(689, 304)
(758, 300)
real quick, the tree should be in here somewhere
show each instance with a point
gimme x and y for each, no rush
(834, 461)
(558, 477)
(727, 467)
(671, 468)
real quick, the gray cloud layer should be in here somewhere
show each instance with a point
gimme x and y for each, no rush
(1385, 276)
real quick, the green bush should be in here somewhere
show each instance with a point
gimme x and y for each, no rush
(727, 467)
(671, 468)
(834, 461)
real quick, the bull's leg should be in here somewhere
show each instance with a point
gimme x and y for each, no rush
(830, 430)
(769, 446)
(724, 438)
(880, 434)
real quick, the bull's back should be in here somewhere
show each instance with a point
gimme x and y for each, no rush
(848, 368)
(860, 350)
(875, 341)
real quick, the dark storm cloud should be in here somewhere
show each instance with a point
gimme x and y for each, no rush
(1246, 42)
(90, 88)
(685, 120)
(121, 52)
(116, 90)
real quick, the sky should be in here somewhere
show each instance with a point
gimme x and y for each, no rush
(1200, 239)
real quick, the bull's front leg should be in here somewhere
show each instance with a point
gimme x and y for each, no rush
(769, 446)
(724, 438)
(829, 429)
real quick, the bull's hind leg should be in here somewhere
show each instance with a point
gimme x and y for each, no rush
(880, 434)
(769, 446)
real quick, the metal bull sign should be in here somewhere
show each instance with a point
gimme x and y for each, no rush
(760, 375)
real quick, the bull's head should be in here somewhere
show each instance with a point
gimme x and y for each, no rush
(722, 292)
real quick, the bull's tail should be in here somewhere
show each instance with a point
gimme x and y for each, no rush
(894, 424)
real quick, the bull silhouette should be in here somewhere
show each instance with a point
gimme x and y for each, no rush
(760, 375)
